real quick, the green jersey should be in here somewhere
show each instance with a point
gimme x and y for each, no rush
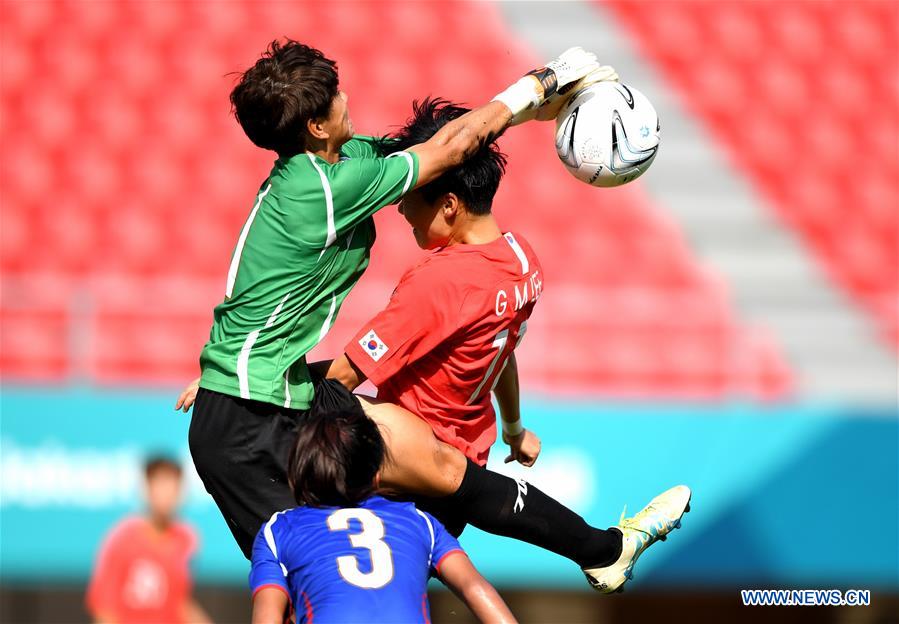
(302, 249)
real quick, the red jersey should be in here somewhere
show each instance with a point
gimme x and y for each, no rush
(439, 346)
(142, 575)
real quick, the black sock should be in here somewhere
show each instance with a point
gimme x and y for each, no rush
(497, 504)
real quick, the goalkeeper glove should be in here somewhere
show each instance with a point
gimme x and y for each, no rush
(536, 86)
(552, 105)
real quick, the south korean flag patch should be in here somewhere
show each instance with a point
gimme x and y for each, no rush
(373, 345)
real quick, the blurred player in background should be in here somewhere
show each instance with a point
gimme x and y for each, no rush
(348, 555)
(302, 249)
(142, 573)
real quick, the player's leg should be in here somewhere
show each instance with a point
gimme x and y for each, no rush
(422, 464)
(417, 462)
(239, 449)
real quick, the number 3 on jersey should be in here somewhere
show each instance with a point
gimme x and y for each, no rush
(499, 360)
(371, 538)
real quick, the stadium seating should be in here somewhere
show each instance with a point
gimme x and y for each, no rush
(805, 95)
(126, 182)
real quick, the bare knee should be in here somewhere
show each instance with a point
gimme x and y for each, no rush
(416, 461)
(451, 464)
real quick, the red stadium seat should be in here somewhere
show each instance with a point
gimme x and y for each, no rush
(34, 346)
(761, 86)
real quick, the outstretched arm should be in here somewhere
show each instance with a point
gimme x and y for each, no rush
(462, 137)
(457, 572)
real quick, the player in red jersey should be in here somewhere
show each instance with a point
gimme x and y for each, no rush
(442, 344)
(142, 573)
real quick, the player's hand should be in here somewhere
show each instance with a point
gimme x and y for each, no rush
(572, 65)
(540, 84)
(188, 396)
(550, 108)
(524, 447)
(603, 73)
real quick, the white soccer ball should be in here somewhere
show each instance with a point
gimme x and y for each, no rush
(607, 134)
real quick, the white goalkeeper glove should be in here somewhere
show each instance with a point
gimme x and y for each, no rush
(536, 86)
(550, 108)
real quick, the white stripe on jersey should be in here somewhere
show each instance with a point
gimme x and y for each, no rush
(243, 358)
(518, 252)
(431, 531)
(270, 539)
(287, 387)
(235, 261)
(329, 205)
(326, 326)
(243, 362)
(274, 315)
(499, 343)
(409, 160)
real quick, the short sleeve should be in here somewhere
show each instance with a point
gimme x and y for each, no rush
(444, 543)
(361, 186)
(266, 570)
(422, 313)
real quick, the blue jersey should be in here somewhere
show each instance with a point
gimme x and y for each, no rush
(359, 564)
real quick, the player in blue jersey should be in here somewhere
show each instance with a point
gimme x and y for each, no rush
(346, 554)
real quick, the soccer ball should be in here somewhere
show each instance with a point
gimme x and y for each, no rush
(607, 134)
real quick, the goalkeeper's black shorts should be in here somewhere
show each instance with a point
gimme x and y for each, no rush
(240, 449)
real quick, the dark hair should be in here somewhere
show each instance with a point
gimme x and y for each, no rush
(474, 181)
(335, 459)
(289, 85)
(155, 463)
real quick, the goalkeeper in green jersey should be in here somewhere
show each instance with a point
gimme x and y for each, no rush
(303, 247)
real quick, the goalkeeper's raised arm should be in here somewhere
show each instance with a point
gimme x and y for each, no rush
(462, 137)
